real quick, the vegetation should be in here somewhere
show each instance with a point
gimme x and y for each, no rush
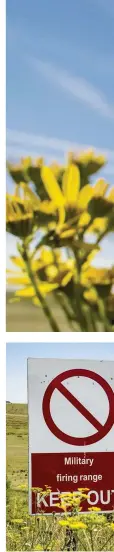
(77, 531)
(60, 218)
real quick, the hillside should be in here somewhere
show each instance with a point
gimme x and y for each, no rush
(17, 442)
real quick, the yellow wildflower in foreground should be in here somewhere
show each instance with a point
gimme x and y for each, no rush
(77, 525)
(72, 523)
(71, 195)
(18, 521)
(47, 276)
(94, 509)
(38, 547)
(72, 214)
(63, 523)
(112, 526)
(81, 489)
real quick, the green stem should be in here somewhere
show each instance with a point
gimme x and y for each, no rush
(42, 300)
(90, 320)
(61, 300)
(101, 236)
(78, 298)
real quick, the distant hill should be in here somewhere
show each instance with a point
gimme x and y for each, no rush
(16, 408)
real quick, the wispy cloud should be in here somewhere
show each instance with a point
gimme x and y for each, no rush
(79, 88)
(17, 138)
(21, 144)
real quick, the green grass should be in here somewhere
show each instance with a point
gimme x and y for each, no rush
(17, 443)
(26, 532)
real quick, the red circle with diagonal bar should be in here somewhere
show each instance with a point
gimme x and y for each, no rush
(56, 383)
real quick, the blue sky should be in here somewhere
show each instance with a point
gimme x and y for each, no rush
(17, 354)
(60, 82)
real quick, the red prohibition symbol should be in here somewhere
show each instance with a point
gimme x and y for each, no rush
(57, 383)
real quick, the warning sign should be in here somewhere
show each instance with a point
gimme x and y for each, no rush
(57, 383)
(71, 431)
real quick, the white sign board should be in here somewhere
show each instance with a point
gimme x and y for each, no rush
(71, 418)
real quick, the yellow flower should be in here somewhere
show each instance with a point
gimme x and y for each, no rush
(70, 196)
(23, 212)
(77, 525)
(23, 486)
(94, 509)
(38, 547)
(76, 500)
(48, 276)
(91, 296)
(21, 278)
(83, 489)
(63, 523)
(36, 489)
(112, 526)
(65, 495)
(18, 521)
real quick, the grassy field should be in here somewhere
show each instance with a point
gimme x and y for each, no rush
(25, 317)
(17, 443)
(42, 532)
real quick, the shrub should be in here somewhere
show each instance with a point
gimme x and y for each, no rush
(71, 531)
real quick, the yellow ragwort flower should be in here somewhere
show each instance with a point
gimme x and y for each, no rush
(94, 509)
(77, 525)
(112, 526)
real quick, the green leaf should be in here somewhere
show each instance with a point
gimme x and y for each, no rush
(34, 174)
(110, 224)
(17, 173)
(99, 207)
(103, 290)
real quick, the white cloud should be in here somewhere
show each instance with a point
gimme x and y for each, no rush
(20, 141)
(78, 87)
(15, 152)
(20, 144)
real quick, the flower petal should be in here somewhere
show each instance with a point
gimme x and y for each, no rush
(46, 287)
(24, 280)
(71, 184)
(36, 301)
(84, 220)
(68, 233)
(18, 261)
(84, 196)
(100, 188)
(25, 292)
(111, 196)
(66, 279)
(52, 186)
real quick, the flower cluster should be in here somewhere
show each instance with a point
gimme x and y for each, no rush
(66, 215)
